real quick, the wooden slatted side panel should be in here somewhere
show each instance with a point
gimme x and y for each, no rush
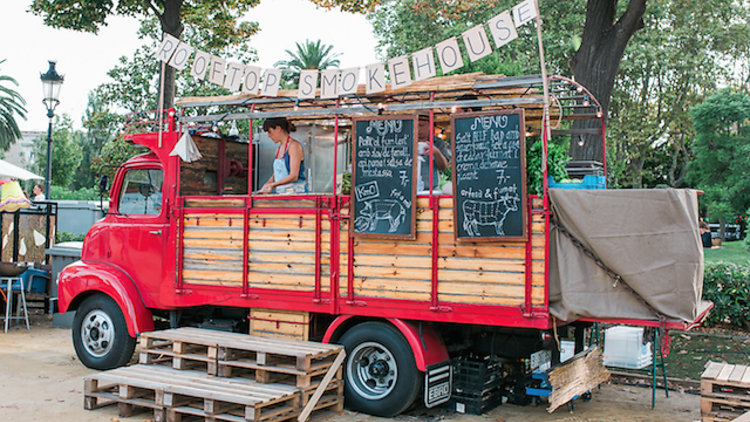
(282, 252)
(481, 273)
(212, 249)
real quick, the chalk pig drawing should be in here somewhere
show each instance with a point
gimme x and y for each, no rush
(382, 209)
(487, 213)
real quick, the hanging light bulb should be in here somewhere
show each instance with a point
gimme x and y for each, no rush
(586, 101)
(599, 113)
(454, 109)
(296, 105)
(580, 140)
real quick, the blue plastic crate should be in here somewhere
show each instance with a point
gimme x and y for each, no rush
(589, 182)
(34, 280)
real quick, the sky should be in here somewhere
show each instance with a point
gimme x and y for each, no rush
(84, 59)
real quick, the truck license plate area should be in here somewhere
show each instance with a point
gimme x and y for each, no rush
(438, 383)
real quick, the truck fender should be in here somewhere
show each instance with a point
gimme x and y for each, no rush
(423, 338)
(80, 279)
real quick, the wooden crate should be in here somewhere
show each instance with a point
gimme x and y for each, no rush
(725, 392)
(173, 393)
(280, 323)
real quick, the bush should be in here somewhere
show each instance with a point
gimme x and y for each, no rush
(83, 194)
(62, 236)
(728, 287)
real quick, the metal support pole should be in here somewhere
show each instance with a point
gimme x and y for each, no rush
(51, 115)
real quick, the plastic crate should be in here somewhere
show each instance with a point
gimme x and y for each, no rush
(475, 376)
(624, 348)
(34, 280)
(589, 182)
(476, 404)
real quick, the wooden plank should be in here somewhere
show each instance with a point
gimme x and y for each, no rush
(214, 243)
(214, 203)
(713, 370)
(737, 374)
(213, 220)
(270, 201)
(213, 233)
(490, 278)
(725, 372)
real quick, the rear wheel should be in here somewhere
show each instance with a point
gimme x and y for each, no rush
(100, 334)
(381, 374)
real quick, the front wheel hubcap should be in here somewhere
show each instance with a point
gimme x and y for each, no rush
(97, 333)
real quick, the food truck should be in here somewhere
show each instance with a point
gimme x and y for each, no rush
(402, 275)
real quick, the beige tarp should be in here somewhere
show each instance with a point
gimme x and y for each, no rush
(647, 236)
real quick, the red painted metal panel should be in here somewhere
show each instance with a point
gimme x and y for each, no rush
(88, 277)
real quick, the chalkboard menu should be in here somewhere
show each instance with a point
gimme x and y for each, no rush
(489, 175)
(383, 189)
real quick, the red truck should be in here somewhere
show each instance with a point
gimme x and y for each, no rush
(191, 243)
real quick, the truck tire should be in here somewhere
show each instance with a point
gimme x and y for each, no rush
(100, 334)
(381, 375)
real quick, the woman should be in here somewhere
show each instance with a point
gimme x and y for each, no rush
(289, 163)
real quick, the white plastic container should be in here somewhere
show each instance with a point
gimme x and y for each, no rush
(624, 348)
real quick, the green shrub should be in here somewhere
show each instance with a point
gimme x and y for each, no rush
(557, 158)
(61, 236)
(83, 194)
(728, 287)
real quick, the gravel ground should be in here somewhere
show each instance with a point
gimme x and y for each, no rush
(41, 380)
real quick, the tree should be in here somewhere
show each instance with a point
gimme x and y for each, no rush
(219, 19)
(310, 55)
(66, 152)
(722, 151)
(666, 70)
(11, 105)
(99, 123)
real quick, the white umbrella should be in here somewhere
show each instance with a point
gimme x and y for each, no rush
(9, 170)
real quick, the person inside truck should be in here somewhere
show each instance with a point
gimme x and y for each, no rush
(289, 163)
(441, 150)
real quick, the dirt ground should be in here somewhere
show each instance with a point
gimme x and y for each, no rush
(41, 380)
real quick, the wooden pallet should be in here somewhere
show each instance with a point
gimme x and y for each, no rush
(725, 392)
(265, 359)
(191, 349)
(173, 393)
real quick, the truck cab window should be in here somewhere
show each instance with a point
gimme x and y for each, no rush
(141, 192)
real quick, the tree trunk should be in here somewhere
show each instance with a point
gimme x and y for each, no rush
(597, 61)
(170, 24)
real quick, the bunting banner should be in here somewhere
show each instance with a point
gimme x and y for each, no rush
(334, 83)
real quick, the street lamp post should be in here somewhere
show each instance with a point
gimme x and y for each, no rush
(51, 83)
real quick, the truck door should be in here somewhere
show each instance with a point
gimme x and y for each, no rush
(140, 230)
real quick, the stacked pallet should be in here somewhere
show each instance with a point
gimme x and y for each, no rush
(725, 392)
(188, 372)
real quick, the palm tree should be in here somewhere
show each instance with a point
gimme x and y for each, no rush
(11, 103)
(311, 55)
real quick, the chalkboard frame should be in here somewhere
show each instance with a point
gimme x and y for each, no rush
(412, 235)
(523, 200)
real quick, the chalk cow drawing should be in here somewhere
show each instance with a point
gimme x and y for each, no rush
(381, 209)
(487, 213)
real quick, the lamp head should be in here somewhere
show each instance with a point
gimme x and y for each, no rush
(51, 84)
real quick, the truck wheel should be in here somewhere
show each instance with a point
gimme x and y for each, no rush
(100, 334)
(381, 375)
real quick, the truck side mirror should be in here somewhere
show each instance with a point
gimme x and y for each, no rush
(103, 184)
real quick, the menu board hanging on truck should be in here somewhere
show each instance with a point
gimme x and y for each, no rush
(383, 193)
(489, 176)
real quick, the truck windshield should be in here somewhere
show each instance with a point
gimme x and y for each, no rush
(141, 192)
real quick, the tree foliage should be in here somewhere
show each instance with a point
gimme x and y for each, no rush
(310, 55)
(405, 26)
(11, 107)
(722, 153)
(668, 68)
(217, 19)
(66, 152)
